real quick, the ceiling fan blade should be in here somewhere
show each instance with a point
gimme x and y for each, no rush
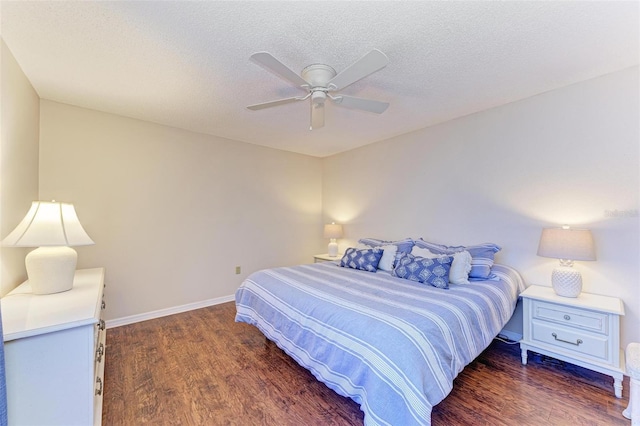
(273, 103)
(368, 64)
(267, 60)
(317, 115)
(361, 103)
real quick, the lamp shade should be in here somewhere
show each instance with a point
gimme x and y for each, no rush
(567, 243)
(332, 230)
(48, 224)
(52, 227)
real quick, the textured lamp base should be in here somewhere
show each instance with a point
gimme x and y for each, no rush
(51, 269)
(566, 281)
(333, 248)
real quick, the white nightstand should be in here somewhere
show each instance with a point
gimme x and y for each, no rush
(326, 258)
(584, 330)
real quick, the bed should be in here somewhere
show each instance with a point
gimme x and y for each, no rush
(392, 345)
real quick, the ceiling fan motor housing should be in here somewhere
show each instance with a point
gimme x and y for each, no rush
(318, 75)
(318, 96)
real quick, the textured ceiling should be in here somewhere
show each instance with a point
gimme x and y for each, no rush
(186, 64)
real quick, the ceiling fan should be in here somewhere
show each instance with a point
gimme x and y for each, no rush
(320, 80)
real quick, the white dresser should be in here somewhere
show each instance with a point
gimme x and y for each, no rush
(55, 353)
(583, 330)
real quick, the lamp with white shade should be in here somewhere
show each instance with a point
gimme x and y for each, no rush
(568, 245)
(332, 231)
(52, 227)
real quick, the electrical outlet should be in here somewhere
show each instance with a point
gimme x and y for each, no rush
(237, 270)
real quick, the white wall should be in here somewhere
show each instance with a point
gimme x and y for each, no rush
(569, 156)
(173, 212)
(19, 127)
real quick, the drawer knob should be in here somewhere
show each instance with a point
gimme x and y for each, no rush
(99, 388)
(567, 317)
(577, 342)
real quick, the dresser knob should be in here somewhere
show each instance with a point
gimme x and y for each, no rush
(567, 317)
(101, 324)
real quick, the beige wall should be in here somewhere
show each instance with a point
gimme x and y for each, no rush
(569, 156)
(19, 127)
(173, 212)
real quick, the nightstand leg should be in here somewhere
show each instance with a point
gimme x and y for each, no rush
(617, 386)
(523, 350)
(627, 412)
(634, 389)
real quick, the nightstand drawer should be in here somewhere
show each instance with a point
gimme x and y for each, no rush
(579, 318)
(592, 345)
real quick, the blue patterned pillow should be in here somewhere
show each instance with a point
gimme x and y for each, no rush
(482, 256)
(365, 260)
(433, 271)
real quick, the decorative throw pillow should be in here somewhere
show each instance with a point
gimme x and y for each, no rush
(404, 246)
(482, 256)
(460, 267)
(388, 256)
(433, 271)
(365, 260)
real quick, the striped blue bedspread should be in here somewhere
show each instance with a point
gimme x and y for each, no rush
(392, 345)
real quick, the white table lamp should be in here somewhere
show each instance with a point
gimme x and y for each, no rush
(332, 231)
(567, 244)
(52, 227)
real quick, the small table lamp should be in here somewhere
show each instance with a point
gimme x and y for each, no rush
(567, 245)
(52, 227)
(333, 231)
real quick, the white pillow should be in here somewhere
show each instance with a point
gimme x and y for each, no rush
(388, 255)
(423, 252)
(460, 267)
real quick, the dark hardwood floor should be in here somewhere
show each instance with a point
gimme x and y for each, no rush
(202, 368)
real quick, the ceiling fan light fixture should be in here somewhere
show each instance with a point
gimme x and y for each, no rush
(317, 115)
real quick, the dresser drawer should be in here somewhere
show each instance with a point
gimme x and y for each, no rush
(578, 318)
(592, 345)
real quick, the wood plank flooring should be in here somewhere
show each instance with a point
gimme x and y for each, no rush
(202, 368)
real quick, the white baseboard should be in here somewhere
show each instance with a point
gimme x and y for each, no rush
(168, 311)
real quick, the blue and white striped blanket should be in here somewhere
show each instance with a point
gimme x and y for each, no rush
(392, 345)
